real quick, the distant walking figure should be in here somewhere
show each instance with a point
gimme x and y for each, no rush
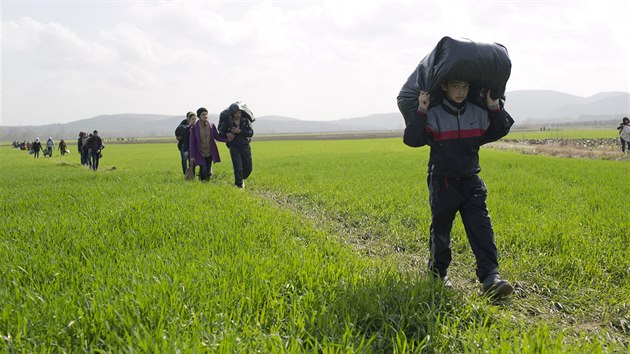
(622, 137)
(36, 147)
(63, 149)
(94, 145)
(50, 144)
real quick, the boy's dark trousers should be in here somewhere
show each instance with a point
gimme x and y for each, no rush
(467, 195)
(241, 162)
(205, 171)
(85, 157)
(95, 157)
(184, 158)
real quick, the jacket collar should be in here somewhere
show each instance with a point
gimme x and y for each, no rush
(452, 107)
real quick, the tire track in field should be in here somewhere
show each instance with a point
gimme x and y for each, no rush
(349, 231)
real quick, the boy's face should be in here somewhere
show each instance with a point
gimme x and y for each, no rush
(456, 91)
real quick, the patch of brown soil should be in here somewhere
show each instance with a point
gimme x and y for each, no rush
(598, 149)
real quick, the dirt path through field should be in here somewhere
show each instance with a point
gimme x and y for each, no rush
(587, 149)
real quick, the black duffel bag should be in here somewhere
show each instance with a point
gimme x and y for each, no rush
(483, 65)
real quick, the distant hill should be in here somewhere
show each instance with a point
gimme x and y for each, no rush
(526, 106)
(552, 106)
(154, 125)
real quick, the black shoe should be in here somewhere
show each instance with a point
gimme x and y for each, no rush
(496, 288)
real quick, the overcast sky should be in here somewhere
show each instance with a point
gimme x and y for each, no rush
(318, 60)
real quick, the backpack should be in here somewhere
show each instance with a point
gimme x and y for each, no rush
(224, 117)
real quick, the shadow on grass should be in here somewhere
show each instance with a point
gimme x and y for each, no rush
(392, 315)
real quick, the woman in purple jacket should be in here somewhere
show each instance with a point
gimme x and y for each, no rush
(203, 148)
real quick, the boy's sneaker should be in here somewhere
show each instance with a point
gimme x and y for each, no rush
(443, 281)
(446, 282)
(496, 288)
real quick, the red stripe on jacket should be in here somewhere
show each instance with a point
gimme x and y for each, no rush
(459, 134)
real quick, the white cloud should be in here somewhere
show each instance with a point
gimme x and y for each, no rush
(311, 60)
(50, 45)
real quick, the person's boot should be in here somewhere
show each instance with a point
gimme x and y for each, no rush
(496, 288)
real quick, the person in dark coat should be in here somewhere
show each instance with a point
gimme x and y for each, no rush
(36, 147)
(63, 149)
(239, 130)
(192, 119)
(182, 133)
(80, 147)
(623, 123)
(94, 145)
(83, 150)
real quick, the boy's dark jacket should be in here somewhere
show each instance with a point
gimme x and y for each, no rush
(455, 135)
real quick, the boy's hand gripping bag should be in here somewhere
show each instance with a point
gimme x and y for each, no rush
(483, 65)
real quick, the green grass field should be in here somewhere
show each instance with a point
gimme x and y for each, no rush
(324, 251)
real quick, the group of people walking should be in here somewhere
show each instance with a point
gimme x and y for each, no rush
(36, 147)
(88, 145)
(197, 137)
(90, 148)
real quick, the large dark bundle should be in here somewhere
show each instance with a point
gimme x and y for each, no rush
(483, 65)
(224, 116)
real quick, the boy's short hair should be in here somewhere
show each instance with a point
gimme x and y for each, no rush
(462, 81)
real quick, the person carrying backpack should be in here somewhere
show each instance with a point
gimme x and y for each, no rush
(238, 129)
